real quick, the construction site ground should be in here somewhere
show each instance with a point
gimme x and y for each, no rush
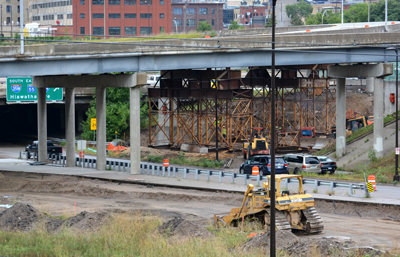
(54, 190)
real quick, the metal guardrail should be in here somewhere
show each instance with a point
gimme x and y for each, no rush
(158, 170)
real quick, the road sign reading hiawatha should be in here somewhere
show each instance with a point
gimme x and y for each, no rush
(21, 90)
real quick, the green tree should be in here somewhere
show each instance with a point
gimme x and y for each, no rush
(269, 23)
(302, 9)
(356, 13)
(204, 26)
(117, 114)
(329, 18)
(296, 21)
(235, 26)
(377, 11)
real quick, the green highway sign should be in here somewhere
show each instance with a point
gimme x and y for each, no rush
(22, 90)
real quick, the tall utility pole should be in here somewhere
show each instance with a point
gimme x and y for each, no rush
(90, 19)
(104, 32)
(386, 28)
(1, 18)
(11, 21)
(342, 11)
(21, 21)
(272, 151)
(76, 20)
(184, 18)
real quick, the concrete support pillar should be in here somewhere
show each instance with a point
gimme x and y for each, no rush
(135, 129)
(101, 127)
(378, 117)
(70, 125)
(370, 85)
(42, 124)
(340, 117)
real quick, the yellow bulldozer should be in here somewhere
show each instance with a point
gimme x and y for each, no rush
(257, 143)
(294, 210)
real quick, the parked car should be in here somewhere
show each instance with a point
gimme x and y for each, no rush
(264, 165)
(51, 149)
(327, 165)
(302, 163)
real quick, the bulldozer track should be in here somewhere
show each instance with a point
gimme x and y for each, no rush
(314, 220)
(281, 222)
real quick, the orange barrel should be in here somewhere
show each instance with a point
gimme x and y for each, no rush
(371, 178)
(255, 171)
(166, 163)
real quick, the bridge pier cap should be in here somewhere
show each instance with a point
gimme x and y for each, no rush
(378, 70)
(104, 80)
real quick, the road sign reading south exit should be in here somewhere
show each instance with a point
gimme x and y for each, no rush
(21, 90)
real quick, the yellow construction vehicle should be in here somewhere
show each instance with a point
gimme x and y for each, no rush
(257, 145)
(294, 210)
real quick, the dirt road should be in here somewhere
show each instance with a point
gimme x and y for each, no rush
(367, 225)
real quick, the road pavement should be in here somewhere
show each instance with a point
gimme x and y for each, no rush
(386, 194)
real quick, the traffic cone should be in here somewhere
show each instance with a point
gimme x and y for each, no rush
(255, 171)
(371, 178)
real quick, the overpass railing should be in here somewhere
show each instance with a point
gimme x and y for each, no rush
(156, 169)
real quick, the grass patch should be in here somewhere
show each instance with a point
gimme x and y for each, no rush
(124, 235)
(359, 133)
(382, 168)
(183, 160)
(69, 39)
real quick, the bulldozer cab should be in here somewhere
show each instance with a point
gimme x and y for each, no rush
(357, 123)
(278, 179)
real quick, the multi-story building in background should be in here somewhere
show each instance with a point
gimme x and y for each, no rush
(122, 17)
(10, 12)
(193, 13)
(50, 12)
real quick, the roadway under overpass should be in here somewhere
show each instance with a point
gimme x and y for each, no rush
(48, 63)
(21, 117)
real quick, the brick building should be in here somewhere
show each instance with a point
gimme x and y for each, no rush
(252, 16)
(196, 12)
(122, 17)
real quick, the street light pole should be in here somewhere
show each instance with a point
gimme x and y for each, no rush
(396, 176)
(386, 28)
(1, 18)
(11, 21)
(323, 17)
(342, 11)
(176, 26)
(272, 150)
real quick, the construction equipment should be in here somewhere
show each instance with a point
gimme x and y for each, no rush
(357, 123)
(257, 145)
(294, 210)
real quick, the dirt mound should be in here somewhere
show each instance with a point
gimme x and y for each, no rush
(82, 188)
(86, 220)
(329, 247)
(283, 239)
(24, 217)
(19, 217)
(185, 229)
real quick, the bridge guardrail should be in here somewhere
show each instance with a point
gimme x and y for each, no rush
(154, 169)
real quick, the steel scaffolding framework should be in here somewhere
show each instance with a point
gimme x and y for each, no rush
(184, 105)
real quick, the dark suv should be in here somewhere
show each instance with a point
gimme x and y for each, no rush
(264, 165)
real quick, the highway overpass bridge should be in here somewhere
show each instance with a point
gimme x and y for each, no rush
(52, 66)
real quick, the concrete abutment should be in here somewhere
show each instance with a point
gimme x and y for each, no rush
(100, 82)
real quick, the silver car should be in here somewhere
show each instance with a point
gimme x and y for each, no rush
(302, 163)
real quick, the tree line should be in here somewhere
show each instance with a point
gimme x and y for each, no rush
(302, 12)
